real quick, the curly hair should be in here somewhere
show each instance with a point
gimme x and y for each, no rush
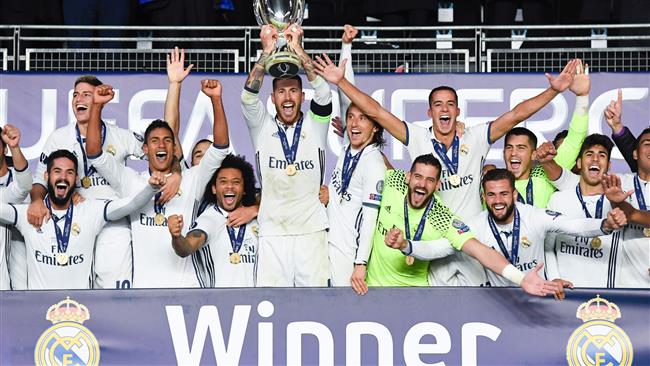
(246, 169)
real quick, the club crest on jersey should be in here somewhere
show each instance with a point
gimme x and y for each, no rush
(75, 228)
(111, 150)
(380, 187)
(461, 226)
(464, 150)
(67, 341)
(599, 341)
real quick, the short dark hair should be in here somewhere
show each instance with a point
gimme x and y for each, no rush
(560, 136)
(597, 139)
(200, 142)
(637, 142)
(67, 154)
(157, 124)
(378, 137)
(246, 169)
(522, 131)
(427, 159)
(440, 88)
(498, 174)
(295, 77)
(88, 79)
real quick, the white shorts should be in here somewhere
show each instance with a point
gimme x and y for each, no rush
(341, 266)
(18, 261)
(113, 265)
(292, 261)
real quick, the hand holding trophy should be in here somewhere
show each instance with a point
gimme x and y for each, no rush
(282, 62)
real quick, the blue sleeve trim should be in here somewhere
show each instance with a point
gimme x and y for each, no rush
(410, 247)
(252, 91)
(15, 216)
(320, 110)
(406, 126)
(96, 156)
(223, 147)
(371, 205)
(488, 132)
(22, 170)
(106, 210)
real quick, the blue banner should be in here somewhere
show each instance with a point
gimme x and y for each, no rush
(443, 326)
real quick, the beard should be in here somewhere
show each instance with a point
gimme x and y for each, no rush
(509, 210)
(56, 200)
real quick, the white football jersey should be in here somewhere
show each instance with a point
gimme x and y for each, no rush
(155, 264)
(350, 231)
(458, 269)
(119, 143)
(535, 225)
(580, 259)
(290, 204)
(44, 272)
(634, 264)
(567, 180)
(214, 257)
(14, 188)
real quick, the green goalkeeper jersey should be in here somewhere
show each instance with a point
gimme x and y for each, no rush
(387, 266)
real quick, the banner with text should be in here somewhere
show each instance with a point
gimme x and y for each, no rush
(39, 103)
(470, 326)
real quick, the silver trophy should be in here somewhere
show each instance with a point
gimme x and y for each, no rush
(282, 63)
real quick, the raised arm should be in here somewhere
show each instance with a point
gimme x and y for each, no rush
(617, 197)
(118, 209)
(579, 125)
(623, 138)
(102, 95)
(527, 108)
(176, 73)
(545, 156)
(213, 89)
(349, 33)
(184, 245)
(293, 33)
(16, 192)
(335, 75)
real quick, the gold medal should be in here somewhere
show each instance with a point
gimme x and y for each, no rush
(86, 182)
(410, 260)
(464, 150)
(646, 232)
(290, 170)
(255, 230)
(111, 150)
(75, 229)
(525, 242)
(235, 258)
(62, 259)
(454, 180)
(159, 219)
(596, 243)
(179, 193)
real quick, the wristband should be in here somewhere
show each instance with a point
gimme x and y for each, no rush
(513, 274)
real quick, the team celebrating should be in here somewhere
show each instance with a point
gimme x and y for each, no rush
(554, 218)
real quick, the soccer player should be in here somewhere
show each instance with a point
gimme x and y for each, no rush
(533, 185)
(585, 261)
(412, 216)
(15, 183)
(60, 252)
(623, 138)
(158, 265)
(227, 252)
(517, 230)
(634, 265)
(113, 249)
(290, 150)
(462, 157)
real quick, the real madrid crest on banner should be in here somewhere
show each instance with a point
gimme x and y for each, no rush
(67, 341)
(599, 341)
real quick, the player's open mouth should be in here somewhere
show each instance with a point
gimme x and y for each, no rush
(288, 107)
(419, 193)
(594, 170)
(499, 207)
(515, 164)
(228, 198)
(60, 188)
(355, 132)
(81, 107)
(161, 156)
(445, 120)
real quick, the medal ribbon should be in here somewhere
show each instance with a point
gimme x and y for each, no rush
(290, 152)
(62, 238)
(529, 193)
(157, 207)
(599, 204)
(514, 256)
(639, 194)
(236, 241)
(441, 150)
(88, 170)
(349, 164)
(423, 219)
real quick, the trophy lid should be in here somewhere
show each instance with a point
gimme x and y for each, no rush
(279, 13)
